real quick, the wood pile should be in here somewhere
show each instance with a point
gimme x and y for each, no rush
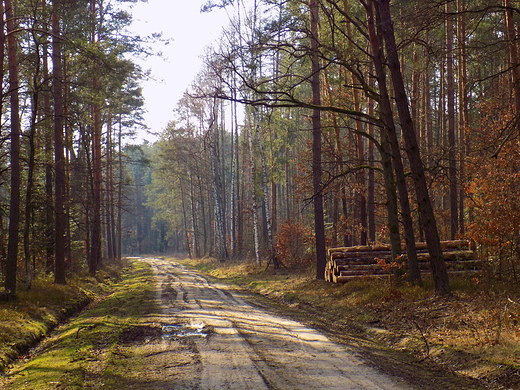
(346, 263)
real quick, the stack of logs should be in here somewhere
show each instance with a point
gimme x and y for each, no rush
(346, 263)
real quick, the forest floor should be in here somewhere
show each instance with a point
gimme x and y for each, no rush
(472, 334)
(165, 326)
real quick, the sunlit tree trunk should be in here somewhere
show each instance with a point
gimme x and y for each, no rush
(254, 204)
(120, 192)
(218, 186)
(319, 220)
(109, 193)
(234, 175)
(185, 220)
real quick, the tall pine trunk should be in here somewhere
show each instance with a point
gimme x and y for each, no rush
(439, 272)
(463, 106)
(319, 220)
(14, 202)
(452, 147)
(59, 158)
(218, 185)
(29, 188)
(266, 200)
(95, 254)
(391, 134)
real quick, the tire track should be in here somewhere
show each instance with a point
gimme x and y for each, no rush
(250, 348)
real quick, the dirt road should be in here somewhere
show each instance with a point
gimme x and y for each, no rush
(222, 342)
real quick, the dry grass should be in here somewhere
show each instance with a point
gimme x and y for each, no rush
(474, 333)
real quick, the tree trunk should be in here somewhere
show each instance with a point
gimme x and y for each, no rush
(452, 163)
(185, 220)
(391, 195)
(29, 210)
(14, 203)
(95, 260)
(254, 205)
(49, 212)
(319, 220)
(513, 56)
(234, 176)
(390, 128)
(266, 201)
(59, 158)
(96, 188)
(218, 187)
(371, 206)
(463, 107)
(120, 192)
(439, 272)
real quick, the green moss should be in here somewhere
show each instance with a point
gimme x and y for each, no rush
(67, 359)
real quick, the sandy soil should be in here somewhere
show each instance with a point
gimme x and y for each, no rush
(213, 339)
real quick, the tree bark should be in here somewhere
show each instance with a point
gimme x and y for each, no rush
(319, 220)
(95, 259)
(14, 203)
(391, 133)
(218, 186)
(59, 158)
(254, 205)
(439, 272)
(49, 211)
(463, 107)
(266, 200)
(29, 209)
(452, 143)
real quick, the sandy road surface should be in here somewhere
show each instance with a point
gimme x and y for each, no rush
(230, 344)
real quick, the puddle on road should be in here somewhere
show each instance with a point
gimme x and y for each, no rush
(182, 330)
(140, 334)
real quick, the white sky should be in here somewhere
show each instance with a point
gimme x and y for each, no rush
(191, 32)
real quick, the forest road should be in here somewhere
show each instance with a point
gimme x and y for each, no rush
(219, 341)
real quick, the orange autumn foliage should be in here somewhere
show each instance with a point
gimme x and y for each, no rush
(294, 244)
(494, 186)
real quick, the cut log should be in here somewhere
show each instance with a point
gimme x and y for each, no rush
(361, 248)
(363, 261)
(349, 255)
(364, 272)
(359, 260)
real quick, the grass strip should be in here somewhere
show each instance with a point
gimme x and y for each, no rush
(75, 358)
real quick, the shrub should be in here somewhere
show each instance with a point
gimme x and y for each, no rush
(294, 244)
